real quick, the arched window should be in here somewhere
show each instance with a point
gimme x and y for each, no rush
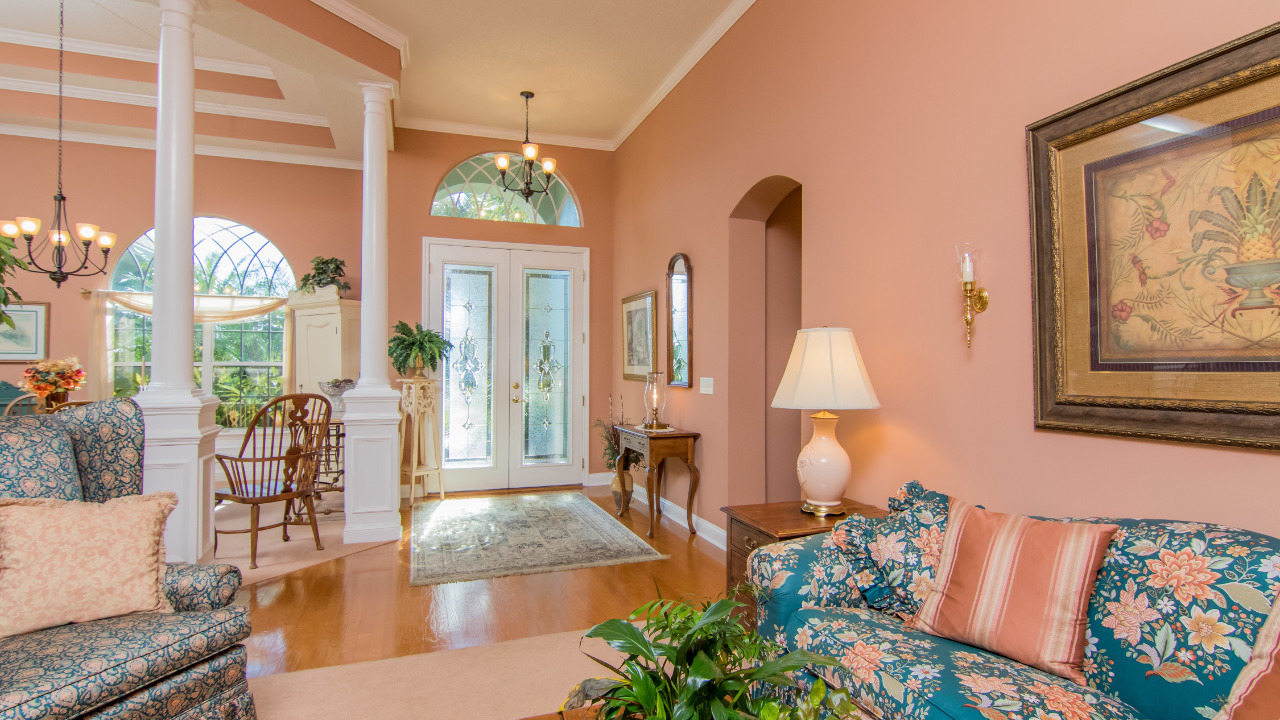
(473, 190)
(239, 361)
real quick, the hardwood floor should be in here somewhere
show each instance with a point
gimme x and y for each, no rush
(362, 607)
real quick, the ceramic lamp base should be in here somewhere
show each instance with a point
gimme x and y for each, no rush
(824, 468)
(823, 510)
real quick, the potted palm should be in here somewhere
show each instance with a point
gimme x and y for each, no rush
(687, 662)
(413, 348)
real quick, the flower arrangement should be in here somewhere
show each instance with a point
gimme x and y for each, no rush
(53, 376)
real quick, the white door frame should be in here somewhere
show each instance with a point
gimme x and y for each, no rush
(435, 320)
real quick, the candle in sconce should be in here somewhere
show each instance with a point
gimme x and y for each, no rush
(966, 267)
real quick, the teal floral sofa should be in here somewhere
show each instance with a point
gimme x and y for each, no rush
(1172, 620)
(186, 664)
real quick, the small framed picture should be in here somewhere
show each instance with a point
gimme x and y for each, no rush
(28, 339)
(639, 336)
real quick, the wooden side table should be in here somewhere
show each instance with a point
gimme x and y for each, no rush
(653, 447)
(751, 526)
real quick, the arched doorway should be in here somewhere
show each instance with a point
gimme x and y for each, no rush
(765, 243)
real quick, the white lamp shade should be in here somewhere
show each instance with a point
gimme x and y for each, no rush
(825, 372)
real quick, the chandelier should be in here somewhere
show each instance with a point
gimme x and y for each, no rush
(525, 186)
(65, 252)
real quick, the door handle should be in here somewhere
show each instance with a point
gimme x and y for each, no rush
(515, 399)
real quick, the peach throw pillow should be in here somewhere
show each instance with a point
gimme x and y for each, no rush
(1016, 586)
(63, 561)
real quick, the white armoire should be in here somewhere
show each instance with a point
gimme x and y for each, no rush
(326, 338)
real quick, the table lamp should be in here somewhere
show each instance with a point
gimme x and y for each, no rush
(825, 371)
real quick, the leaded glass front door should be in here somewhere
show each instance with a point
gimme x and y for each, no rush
(513, 387)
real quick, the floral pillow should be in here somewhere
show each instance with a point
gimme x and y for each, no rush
(904, 547)
(1175, 613)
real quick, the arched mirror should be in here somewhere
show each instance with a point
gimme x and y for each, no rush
(679, 321)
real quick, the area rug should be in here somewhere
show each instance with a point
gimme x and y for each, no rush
(275, 556)
(487, 537)
(502, 681)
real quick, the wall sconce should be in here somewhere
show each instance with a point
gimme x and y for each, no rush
(975, 298)
(655, 399)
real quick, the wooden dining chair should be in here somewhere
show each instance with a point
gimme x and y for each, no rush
(29, 404)
(278, 461)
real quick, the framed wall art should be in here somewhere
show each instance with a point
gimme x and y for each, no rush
(639, 336)
(1155, 213)
(28, 339)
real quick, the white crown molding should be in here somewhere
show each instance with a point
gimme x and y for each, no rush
(369, 24)
(148, 143)
(456, 128)
(128, 98)
(123, 52)
(701, 47)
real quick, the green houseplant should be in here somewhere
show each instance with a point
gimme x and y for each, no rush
(415, 348)
(9, 265)
(689, 662)
(325, 272)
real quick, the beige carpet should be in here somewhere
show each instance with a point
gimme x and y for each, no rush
(504, 681)
(275, 556)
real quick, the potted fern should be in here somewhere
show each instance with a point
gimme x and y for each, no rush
(698, 662)
(415, 348)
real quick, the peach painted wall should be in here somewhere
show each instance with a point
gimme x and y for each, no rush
(783, 238)
(307, 211)
(416, 168)
(905, 126)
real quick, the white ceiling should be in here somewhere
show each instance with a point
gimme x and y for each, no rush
(598, 66)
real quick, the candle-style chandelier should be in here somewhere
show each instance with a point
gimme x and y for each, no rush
(525, 186)
(63, 255)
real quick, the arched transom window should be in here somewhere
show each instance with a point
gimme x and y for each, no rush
(473, 190)
(240, 278)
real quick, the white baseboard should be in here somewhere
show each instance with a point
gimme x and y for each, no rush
(707, 530)
(596, 479)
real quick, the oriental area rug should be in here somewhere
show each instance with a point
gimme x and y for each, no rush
(488, 537)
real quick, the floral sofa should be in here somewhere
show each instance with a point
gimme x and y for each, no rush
(1172, 620)
(186, 664)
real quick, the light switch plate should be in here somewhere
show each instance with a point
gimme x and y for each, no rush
(706, 386)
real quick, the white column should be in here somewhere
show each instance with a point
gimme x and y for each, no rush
(180, 427)
(372, 417)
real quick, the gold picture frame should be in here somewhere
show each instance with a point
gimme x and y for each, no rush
(1156, 293)
(639, 336)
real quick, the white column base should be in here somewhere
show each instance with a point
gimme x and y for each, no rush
(372, 472)
(178, 455)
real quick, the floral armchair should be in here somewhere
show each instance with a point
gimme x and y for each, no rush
(186, 664)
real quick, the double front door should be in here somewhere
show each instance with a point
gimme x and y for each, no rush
(513, 386)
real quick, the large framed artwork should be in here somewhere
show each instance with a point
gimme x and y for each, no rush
(639, 336)
(1155, 212)
(28, 339)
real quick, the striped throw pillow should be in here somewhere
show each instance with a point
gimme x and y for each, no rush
(1016, 586)
(1256, 692)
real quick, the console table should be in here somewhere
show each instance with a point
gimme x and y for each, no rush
(653, 447)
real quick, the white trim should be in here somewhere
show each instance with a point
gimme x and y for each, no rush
(369, 24)
(707, 530)
(701, 47)
(128, 98)
(598, 479)
(123, 52)
(149, 143)
(457, 128)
